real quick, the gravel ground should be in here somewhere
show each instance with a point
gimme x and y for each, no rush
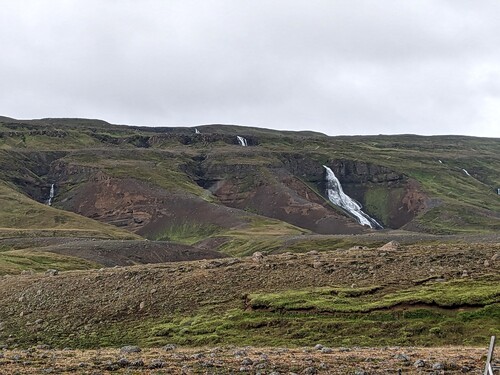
(247, 360)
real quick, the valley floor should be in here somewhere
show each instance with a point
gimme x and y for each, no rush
(247, 360)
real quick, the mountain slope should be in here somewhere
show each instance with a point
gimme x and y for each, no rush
(155, 180)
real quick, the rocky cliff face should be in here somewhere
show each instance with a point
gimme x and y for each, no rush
(391, 197)
(284, 186)
(291, 187)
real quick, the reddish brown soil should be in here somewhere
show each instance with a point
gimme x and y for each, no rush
(144, 208)
(289, 200)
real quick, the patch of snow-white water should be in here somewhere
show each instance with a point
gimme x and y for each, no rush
(337, 196)
(51, 195)
(242, 141)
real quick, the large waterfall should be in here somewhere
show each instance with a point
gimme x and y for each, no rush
(337, 196)
(242, 141)
(51, 195)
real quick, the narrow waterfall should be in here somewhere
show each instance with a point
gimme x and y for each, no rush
(467, 173)
(196, 131)
(337, 196)
(242, 141)
(51, 195)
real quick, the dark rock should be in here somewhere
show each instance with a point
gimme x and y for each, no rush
(438, 366)
(130, 349)
(247, 362)
(310, 371)
(169, 347)
(123, 362)
(157, 363)
(137, 363)
(419, 363)
(402, 357)
(110, 366)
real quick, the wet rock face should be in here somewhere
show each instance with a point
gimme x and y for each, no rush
(390, 197)
(29, 171)
(353, 171)
(287, 188)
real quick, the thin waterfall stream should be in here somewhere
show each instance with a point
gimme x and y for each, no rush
(242, 141)
(51, 195)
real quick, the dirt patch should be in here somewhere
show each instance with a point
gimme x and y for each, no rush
(126, 253)
(143, 208)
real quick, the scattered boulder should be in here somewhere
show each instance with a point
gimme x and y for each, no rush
(257, 256)
(52, 272)
(310, 371)
(157, 363)
(402, 357)
(123, 362)
(130, 349)
(438, 366)
(137, 363)
(419, 363)
(495, 257)
(318, 264)
(326, 350)
(240, 353)
(318, 347)
(110, 366)
(169, 347)
(392, 245)
(246, 362)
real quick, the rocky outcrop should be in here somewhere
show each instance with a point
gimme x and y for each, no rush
(391, 197)
(291, 187)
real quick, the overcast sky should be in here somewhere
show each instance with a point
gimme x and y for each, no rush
(339, 67)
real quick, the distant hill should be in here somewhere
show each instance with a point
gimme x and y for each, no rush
(106, 201)
(154, 181)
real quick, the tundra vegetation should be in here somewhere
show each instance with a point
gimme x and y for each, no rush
(167, 236)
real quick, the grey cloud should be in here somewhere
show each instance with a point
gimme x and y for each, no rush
(341, 67)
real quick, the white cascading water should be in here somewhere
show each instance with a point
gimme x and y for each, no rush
(51, 195)
(467, 173)
(337, 196)
(242, 141)
(196, 131)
